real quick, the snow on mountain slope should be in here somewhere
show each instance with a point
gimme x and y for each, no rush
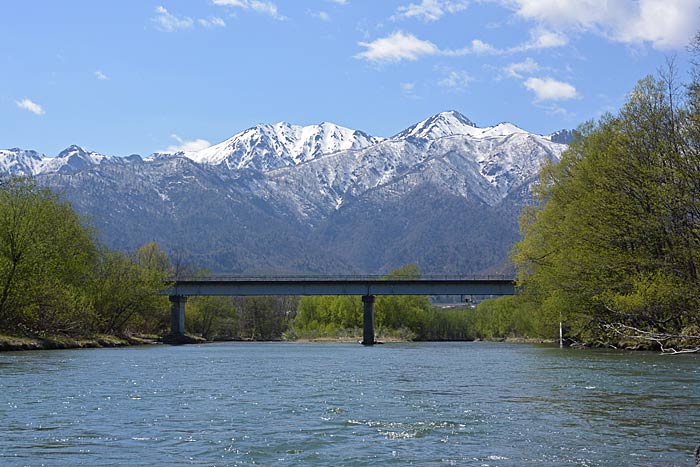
(316, 169)
(18, 162)
(451, 123)
(488, 167)
(439, 125)
(267, 147)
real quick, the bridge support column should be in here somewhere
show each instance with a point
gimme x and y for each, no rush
(177, 321)
(368, 320)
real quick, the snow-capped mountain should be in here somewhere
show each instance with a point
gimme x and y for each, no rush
(267, 147)
(444, 193)
(22, 163)
(452, 123)
(18, 162)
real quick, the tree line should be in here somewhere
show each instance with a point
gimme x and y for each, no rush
(57, 279)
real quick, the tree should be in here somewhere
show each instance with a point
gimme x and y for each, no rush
(615, 238)
(46, 255)
(126, 296)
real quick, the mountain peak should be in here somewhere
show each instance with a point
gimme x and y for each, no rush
(453, 115)
(446, 123)
(71, 150)
(267, 147)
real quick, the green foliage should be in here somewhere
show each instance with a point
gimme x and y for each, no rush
(249, 318)
(45, 258)
(616, 238)
(408, 317)
(213, 317)
(126, 296)
(55, 279)
(514, 316)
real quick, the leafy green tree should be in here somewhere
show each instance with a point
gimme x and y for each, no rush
(126, 296)
(46, 254)
(615, 238)
(213, 317)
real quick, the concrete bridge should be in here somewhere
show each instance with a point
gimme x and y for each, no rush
(366, 286)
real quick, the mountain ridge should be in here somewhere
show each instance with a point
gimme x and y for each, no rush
(445, 195)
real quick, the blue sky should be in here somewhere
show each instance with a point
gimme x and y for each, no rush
(137, 76)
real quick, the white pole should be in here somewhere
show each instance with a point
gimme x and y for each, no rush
(561, 336)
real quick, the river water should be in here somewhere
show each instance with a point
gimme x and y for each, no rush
(466, 404)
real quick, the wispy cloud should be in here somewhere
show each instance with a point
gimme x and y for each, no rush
(456, 80)
(663, 23)
(322, 15)
(518, 69)
(408, 89)
(31, 106)
(187, 145)
(400, 46)
(549, 89)
(260, 6)
(540, 38)
(483, 48)
(168, 22)
(339, 2)
(430, 10)
(101, 76)
(212, 22)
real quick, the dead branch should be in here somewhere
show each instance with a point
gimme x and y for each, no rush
(659, 338)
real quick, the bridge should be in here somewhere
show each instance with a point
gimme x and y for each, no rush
(366, 286)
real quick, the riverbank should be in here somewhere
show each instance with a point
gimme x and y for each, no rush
(14, 343)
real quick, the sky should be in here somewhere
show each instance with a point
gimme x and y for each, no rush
(136, 76)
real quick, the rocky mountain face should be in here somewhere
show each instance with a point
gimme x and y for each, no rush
(444, 194)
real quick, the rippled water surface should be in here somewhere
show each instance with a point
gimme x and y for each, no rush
(467, 404)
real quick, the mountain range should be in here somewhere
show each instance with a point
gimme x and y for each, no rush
(444, 194)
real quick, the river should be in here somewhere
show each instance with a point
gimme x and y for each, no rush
(277, 404)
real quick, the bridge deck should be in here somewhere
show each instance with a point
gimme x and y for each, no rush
(354, 285)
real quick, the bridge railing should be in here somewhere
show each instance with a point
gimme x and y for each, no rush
(341, 277)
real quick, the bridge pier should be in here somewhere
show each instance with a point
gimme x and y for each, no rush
(368, 320)
(177, 321)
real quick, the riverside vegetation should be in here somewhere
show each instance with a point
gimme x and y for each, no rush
(61, 288)
(611, 248)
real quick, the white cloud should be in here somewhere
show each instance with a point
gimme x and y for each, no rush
(339, 2)
(405, 46)
(396, 47)
(663, 23)
(212, 22)
(482, 48)
(187, 146)
(33, 107)
(456, 79)
(101, 76)
(261, 6)
(167, 22)
(545, 39)
(430, 10)
(517, 70)
(549, 89)
(322, 15)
